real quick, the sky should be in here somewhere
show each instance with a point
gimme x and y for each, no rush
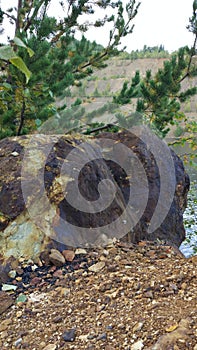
(157, 22)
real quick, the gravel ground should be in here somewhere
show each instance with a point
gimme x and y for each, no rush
(120, 297)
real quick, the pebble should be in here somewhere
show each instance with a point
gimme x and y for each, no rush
(63, 291)
(68, 255)
(19, 314)
(35, 281)
(8, 287)
(4, 324)
(138, 326)
(97, 267)
(138, 345)
(57, 319)
(69, 335)
(21, 298)
(58, 273)
(15, 154)
(102, 336)
(80, 251)
(6, 301)
(19, 279)
(12, 273)
(83, 337)
(50, 347)
(148, 294)
(56, 258)
(18, 341)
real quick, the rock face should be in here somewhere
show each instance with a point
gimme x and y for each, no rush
(77, 191)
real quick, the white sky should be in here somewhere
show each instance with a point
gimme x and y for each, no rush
(157, 22)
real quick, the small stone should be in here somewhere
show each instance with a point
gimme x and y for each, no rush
(148, 294)
(8, 287)
(109, 327)
(102, 336)
(184, 286)
(19, 279)
(34, 267)
(35, 281)
(69, 335)
(21, 298)
(83, 337)
(57, 319)
(15, 154)
(56, 258)
(19, 271)
(63, 291)
(97, 267)
(4, 324)
(171, 328)
(18, 341)
(105, 252)
(4, 334)
(138, 326)
(100, 307)
(137, 346)
(80, 251)
(33, 297)
(19, 314)
(12, 273)
(50, 347)
(5, 301)
(68, 255)
(58, 273)
(173, 286)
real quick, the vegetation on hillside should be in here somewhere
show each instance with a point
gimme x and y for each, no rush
(146, 52)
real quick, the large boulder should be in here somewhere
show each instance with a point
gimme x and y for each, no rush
(77, 191)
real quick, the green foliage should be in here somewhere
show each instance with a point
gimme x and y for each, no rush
(146, 52)
(108, 107)
(159, 96)
(128, 92)
(77, 102)
(179, 131)
(59, 60)
(7, 54)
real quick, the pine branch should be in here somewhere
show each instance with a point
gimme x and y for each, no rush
(9, 16)
(193, 50)
(103, 127)
(110, 45)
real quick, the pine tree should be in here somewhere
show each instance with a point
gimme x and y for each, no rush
(59, 60)
(160, 96)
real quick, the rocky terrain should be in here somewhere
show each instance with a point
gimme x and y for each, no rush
(123, 296)
(126, 296)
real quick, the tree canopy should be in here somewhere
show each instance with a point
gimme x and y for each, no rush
(44, 57)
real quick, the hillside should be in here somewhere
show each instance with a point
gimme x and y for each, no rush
(100, 87)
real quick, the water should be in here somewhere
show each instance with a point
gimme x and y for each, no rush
(190, 221)
(189, 246)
